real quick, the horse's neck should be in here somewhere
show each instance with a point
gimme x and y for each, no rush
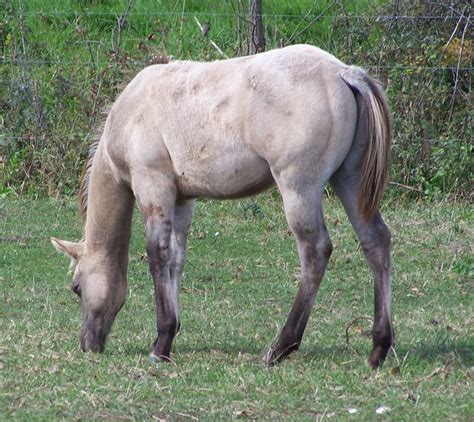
(109, 212)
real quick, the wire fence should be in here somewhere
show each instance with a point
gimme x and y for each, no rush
(91, 63)
(392, 18)
(53, 88)
(122, 18)
(455, 15)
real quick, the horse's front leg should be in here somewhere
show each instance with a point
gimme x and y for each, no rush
(304, 214)
(159, 260)
(156, 199)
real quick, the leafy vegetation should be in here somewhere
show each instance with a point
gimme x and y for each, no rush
(62, 64)
(238, 286)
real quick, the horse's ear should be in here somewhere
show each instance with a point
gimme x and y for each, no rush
(71, 249)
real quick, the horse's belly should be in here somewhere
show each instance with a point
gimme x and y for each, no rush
(227, 177)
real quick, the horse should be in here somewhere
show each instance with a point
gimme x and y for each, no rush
(295, 117)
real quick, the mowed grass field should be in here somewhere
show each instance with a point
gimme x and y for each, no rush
(237, 289)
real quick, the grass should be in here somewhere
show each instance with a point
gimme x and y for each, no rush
(237, 289)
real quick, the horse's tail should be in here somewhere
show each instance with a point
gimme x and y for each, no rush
(375, 109)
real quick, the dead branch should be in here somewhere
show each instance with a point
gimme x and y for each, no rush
(458, 65)
(349, 326)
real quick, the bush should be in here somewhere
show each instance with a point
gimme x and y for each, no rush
(61, 69)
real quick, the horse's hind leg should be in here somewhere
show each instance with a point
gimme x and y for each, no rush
(183, 215)
(156, 197)
(375, 241)
(304, 214)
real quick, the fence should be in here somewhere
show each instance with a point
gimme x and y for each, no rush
(60, 67)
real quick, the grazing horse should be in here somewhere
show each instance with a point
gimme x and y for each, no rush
(296, 117)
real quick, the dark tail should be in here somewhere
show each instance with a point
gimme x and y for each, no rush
(374, 172)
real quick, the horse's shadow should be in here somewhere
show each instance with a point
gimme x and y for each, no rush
(433, 350)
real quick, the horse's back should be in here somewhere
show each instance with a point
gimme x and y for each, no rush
(225, 128)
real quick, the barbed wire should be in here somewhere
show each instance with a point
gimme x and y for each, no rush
(90, 63)
(220, 14)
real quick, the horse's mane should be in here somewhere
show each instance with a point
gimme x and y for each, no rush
(97, 134)
(86, 171)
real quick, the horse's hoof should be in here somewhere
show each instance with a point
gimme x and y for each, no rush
(377, 357)
(153, 359)
(271, 358)
(268, 360)
(276, 354)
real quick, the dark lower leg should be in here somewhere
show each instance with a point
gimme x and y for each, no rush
(375, 243)
(167, 321)
(182, 221)
(375, 240)
(159, 259)
(314, 255)
(290, 336)
(382, 331)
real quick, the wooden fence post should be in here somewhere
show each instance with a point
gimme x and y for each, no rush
(257, 31)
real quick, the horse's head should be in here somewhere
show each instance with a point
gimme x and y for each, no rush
(101, 287)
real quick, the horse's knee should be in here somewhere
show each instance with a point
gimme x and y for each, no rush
(314, 240)
(158, 233)
(158, 253)
(324, 246)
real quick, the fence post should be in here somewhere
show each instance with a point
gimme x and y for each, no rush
(257, 31)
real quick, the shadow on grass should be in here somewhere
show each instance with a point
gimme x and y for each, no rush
(252, 352)
(440, 349)
(189, 347)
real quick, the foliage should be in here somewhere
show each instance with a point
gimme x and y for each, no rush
(237, 289)
(434, 127)
(62, 65)
(428, 84)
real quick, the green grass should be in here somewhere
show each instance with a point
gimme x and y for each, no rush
(237, 289)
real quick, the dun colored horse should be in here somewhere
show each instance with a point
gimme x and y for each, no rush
(296, 117)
